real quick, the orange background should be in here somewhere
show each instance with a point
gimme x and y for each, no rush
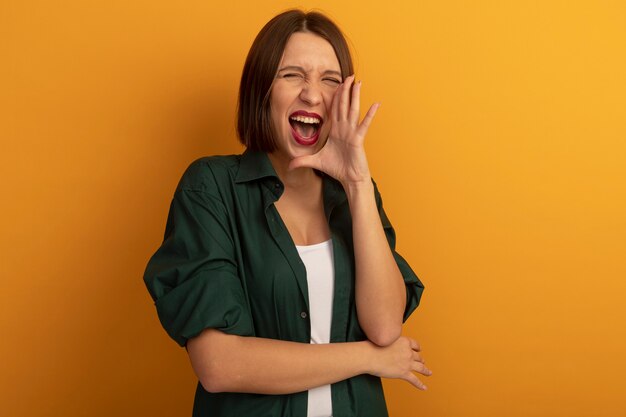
(499, 149)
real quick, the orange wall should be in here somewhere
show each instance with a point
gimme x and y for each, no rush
(499, 149)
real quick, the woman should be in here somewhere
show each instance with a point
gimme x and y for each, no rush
(278, 270)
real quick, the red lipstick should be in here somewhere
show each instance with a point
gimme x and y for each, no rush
(310, 141)
(307, 114)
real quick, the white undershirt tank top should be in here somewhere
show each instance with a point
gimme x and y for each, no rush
(320, 271)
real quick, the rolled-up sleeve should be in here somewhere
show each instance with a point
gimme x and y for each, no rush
(193, 276)
(414, 287)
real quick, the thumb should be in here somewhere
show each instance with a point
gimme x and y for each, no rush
(308, 161)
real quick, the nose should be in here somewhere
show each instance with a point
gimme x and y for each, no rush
(311, 93)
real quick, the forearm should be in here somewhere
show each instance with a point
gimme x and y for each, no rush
(380, 290)
(228, 363)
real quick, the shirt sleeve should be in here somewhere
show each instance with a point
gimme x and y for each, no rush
(193, 276)
(414, 287)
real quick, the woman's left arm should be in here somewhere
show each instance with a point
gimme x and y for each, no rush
(380, 288)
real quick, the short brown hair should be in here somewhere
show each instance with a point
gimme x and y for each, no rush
(254, 122)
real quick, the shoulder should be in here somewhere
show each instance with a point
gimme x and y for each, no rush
(210, 174)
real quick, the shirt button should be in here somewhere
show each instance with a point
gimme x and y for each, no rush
(303, 315)
(277, 185)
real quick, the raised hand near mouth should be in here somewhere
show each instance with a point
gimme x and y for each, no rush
(343, 156)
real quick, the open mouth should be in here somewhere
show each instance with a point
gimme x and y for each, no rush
(305, 127)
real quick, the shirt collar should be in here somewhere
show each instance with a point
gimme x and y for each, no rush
(254, 165)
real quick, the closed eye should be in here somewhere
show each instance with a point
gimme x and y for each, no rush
(292, 75)
(332, 80)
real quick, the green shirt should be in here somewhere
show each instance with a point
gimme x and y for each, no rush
(228, 262)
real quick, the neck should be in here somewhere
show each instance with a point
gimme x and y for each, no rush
(294, 178)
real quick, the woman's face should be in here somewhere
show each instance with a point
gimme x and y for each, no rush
(302, 93)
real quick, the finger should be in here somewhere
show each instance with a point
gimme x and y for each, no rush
(355, 104)
(421, 368)
(415, 346)
(418, 357)
(309, 161)
(344, 103)
(415, 382)
(367, 120)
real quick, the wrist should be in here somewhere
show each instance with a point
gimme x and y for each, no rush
(357, 189)
(367, 355)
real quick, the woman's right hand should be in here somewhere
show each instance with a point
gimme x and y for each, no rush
(400, 360)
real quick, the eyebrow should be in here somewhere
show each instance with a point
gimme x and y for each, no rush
(297, 68)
